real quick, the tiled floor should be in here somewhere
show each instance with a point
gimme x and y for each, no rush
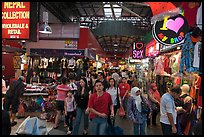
(49, 125)
(124, 123)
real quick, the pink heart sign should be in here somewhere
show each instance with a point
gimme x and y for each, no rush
(175, 25)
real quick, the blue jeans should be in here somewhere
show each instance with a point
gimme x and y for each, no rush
(79, 113)
(139, 129)
(99, 126)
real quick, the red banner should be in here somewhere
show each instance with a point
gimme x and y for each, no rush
(15, 20)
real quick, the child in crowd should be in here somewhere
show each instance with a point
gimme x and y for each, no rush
(69, 107)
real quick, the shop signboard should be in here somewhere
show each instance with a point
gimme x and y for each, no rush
(134, 60)
(170, 31)
(58, 52)
(15, 20)
(152, 49)
(71, 44)
(138, 50)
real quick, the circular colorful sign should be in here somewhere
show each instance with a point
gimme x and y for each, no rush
(170, 31)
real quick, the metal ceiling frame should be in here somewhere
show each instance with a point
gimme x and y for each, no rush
(91, 14)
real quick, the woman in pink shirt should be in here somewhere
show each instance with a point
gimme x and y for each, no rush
(154, 99)
(61, 95)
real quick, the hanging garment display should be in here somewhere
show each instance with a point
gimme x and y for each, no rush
(72, 63)
(159, 67)
(187, 55)
(199, 16)
(196, 59)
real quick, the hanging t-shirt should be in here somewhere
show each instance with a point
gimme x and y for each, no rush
(190, 11)
(166, 64)
(159, 66)
(196, 60)
(72, 63)
(199, 17)
(187, 55)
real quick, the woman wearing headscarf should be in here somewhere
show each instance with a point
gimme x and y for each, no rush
(135, 112)
(154, 100)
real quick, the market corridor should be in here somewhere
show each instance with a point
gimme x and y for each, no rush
(125, 124)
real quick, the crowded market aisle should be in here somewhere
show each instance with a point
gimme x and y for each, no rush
(152, 130)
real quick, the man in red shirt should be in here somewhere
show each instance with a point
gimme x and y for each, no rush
(124, 89)
(99, 105)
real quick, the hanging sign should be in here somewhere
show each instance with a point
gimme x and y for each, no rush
(15, 20)
(170, 31)
(138, 50)
(71, 44)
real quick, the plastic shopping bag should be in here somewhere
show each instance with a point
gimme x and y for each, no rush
(32, 126)
(121, 111)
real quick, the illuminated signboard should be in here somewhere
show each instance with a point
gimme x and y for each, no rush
(138, 51)
(152, 49)
(71, 44)
(171, 30)
(15, 20)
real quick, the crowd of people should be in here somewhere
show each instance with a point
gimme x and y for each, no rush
(98, 99)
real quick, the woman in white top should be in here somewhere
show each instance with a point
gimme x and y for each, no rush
(114, 91)
(69, 107)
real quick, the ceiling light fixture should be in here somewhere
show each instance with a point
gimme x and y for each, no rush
(45, 28)
(115, 45)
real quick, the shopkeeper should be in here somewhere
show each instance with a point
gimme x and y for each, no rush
(35, 78)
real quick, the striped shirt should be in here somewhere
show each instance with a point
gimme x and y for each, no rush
(62, 92)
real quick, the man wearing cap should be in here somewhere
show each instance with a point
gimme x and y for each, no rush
(12, 98)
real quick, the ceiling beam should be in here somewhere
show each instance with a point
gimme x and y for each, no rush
(128, 10)
(141, 4)
(97, 10)
(58, 13)
(113, 13)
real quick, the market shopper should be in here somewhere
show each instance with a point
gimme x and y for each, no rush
(81, 97)
(35, 78)
(114, 91)
(69, 108)
(154, 99)
(62, 90)
(168, 112)
(12, 98)
(99, 105)
(130, 80)
(6, 125)
(124, 93)
(135, 113)
(116, 76)
(101, 77)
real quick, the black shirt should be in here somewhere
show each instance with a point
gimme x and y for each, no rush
(16, 90)
(82, 100)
